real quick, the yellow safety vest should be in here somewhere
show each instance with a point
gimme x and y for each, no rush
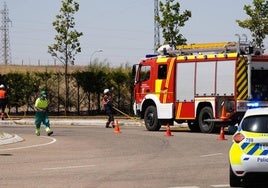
(39, 103)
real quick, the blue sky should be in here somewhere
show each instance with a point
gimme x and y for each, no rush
(123, 29)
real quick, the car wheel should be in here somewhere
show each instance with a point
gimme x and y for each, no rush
(234, 180)
(151, 120)
(205, 126)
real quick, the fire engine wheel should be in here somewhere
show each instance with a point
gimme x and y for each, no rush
(193, 126)
(150, 119)
(205, 127)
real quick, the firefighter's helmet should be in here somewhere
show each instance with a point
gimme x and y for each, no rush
(106, 91)
(43, 94)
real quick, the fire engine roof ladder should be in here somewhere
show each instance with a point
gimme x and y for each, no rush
(219, 47)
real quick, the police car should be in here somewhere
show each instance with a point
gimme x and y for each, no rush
(248, 154)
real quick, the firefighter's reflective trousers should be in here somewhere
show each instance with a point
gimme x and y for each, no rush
(41, 117)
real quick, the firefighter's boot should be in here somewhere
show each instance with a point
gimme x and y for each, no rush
(37, 132)
(107, 124)
(49, 131)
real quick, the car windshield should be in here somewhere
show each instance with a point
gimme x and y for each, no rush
(257, 124)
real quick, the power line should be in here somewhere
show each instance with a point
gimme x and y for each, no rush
(5, 43)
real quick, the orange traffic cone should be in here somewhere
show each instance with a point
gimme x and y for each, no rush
(223, 113)
(222, 137)
(117, 128)
(168, 132)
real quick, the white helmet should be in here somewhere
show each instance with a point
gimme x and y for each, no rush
(106, 91)
(2, 86)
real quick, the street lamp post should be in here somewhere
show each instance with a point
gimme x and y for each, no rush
(96, 51)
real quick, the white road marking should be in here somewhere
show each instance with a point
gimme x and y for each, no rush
(185, 187)
(224, 185)
(218, 186)
(68, 167)
(32, 146)
(211, 155)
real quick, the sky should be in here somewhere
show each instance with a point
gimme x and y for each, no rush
(115, 32)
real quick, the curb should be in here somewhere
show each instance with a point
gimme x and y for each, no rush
(76, 122)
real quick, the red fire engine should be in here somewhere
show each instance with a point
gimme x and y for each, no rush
(203, 85)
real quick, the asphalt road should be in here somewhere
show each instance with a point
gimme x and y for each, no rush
(93, 156)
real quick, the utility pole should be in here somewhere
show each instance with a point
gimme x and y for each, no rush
(156, 27)
(5, 43)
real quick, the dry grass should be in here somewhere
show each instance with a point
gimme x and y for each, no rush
(4, 69)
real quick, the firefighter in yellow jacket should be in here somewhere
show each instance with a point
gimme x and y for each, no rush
(41, 116)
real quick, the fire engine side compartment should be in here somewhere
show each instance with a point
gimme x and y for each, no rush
(203, 81)
(185, 87)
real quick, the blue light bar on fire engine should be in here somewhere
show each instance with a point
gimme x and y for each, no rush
(150, 55)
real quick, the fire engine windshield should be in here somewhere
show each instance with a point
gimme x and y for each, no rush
(259, 88)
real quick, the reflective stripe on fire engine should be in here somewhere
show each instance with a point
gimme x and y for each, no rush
(206, 56)
(178, 110)
(158, 84)
(161, 60)
(242, 87)
(184, 110)
(171, 65)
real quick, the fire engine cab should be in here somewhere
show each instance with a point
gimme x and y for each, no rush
(203, 85)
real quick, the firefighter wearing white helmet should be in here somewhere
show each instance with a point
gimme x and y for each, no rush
(106, 91)
(3, 100)
(108, 107)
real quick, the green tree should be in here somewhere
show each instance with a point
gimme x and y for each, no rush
(119, 78)
(85, 79)
(92, 82)
(171, 21)
(31, 85)
(66, 44)
(258, 21)
(102, 78)
(20, 87)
